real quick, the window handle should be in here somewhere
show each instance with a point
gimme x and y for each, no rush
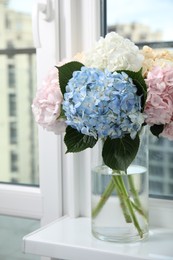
(47, 11)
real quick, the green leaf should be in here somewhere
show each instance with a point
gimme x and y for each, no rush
(119, 153)
(139, 82)
(77, 142)
(66, 72)
(62, 114)
(156, 129)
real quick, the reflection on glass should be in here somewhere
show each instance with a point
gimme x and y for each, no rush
(18, 140)
(141, 20)
(145, 21)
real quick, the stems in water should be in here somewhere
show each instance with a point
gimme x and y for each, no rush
(128, 206)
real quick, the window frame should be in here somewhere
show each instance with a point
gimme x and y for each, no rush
(43, 202)
(20, 201)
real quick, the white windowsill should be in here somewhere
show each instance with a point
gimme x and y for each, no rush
(71, 238)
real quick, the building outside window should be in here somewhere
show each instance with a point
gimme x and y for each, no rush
(18, 84)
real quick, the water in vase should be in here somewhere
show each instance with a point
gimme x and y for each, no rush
(120, 204)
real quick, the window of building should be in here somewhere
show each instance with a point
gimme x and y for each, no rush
(14, 161)
(155, 154)
(12, 104)
(171, 188)
(170, 157)
(156, 187)
(7, 22)
(10, 44)
(157, 170)
(14, 180)
(11, 76)
(171, 173)
(13, 133)
(18, 25)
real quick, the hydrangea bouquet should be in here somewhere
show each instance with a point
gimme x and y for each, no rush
(109, 93)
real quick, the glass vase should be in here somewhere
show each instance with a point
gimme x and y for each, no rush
(120, 199)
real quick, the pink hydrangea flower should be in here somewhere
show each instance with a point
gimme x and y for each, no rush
(46, 105)
(160, 96)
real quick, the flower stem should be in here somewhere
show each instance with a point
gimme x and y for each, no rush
(140, 211)
(121, 198)
(130, 206)
(127, 205)
(137, 204)
(133, 190)
(113, 184)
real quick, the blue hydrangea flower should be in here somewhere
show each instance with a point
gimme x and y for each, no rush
(101, 104)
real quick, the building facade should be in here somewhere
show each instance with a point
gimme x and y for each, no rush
(137, 32)
(18, 141)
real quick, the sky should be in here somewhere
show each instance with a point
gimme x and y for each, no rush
(22, 5)
(155, 13)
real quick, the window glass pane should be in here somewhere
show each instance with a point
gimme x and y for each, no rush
(141, 20)
(145, 22)
(18, 135)
(160, 166)
(12, 231)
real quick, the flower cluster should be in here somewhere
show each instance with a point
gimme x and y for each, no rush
(109, 92)
(114, 53)
(100, 104)
(158, 72)
(46, 105)
(154, 58)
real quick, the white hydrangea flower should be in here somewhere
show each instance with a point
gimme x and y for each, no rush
(114, 53)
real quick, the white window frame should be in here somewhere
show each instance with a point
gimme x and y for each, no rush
(20, 201)
(80, 30)
(44, 202)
